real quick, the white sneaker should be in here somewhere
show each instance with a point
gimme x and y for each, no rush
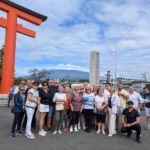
(31, 136)
(98, 131)
(84, 127)
(79, 126)
(59, 131)
(110, 135)
(103, 132)
(55, 132)
(71, 129)
(26, 134)
(75, 129)
(42, 133)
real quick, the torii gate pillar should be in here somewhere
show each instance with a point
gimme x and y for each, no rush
(14, 11)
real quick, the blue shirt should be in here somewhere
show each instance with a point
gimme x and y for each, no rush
(147, 97)
(88, 101)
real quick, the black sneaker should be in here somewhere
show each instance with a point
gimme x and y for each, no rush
(49, 129)
(138, 140)
(19, 133)
(89, 130)
(13, 136)
(128, 135)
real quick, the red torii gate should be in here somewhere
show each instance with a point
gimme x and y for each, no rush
(14, 11)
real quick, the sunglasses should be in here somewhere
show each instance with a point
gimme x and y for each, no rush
(23, 83)
(22, 89)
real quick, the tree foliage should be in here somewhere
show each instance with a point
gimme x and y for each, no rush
(37, 74)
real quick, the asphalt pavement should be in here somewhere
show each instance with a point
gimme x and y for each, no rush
(69, 141)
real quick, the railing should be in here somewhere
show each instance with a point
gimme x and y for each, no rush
(3, 99)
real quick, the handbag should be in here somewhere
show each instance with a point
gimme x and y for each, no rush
(12, 110)
(100, 112)
(59, 106)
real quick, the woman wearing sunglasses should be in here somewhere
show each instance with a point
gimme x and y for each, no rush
(88, 108)
(43, 108)
(76, 104)
(18, 109)
(30, 105)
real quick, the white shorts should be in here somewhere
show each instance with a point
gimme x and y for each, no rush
(44, 108)
(147, 112)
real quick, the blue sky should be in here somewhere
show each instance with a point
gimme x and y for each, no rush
(76, 27)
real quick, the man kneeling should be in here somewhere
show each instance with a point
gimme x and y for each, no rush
(131, 121)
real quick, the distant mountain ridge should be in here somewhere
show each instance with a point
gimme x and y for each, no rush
(69, 74)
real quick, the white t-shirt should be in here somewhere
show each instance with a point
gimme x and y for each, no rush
(136, 98)
(100, 100)
(106, 94)
(115, 102)
(59, 105)
(35, 95)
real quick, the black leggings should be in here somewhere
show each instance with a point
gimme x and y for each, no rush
(18, 116)
(88, 113)
(74, 117)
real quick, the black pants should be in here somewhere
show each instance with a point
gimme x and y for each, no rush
(17, 121)
(24, 120)
(74, 117)
(88, 113)
(137, 128)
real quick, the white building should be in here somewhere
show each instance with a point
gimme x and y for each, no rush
(94, 68)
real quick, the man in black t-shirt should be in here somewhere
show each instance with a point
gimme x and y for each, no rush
(131, 121)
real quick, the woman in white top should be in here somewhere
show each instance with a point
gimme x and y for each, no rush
(59, 99)
(100, 103)
(30, 105)
(114, 104)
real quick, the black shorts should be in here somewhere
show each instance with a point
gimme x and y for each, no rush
(100, 118)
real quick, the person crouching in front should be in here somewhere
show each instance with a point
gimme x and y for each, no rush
(131, 121)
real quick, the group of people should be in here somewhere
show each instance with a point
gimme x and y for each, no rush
(64, 109)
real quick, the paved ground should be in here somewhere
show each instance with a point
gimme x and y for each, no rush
(67, 141)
